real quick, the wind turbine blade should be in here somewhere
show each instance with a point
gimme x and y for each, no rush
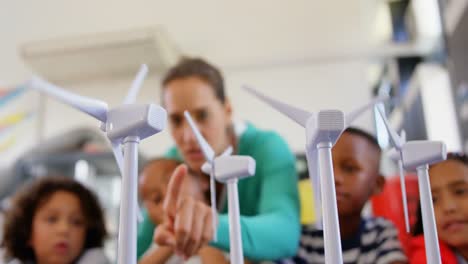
(351, 116)
(136, 85)
(403, 195)
(394, 138)
(298, 115)
(93, 107)
(205, 147)
(403, 136)
(227, 151)
(395, 155)
(214, 211)
(118, 155)
(313, 168)
(207, 168)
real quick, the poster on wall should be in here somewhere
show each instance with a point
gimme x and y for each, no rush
(18, 122)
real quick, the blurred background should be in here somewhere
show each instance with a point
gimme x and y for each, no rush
(314, 54)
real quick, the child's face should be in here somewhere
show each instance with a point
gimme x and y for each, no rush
(153, 185)
(58, 229)
(355, 164)
(449, 183)
(153, 188)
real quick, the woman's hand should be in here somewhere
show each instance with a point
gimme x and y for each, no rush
(187, 224)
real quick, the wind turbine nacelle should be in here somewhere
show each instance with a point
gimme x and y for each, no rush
(419, 153)
(233, 167)
(326, 126)
(135, 120)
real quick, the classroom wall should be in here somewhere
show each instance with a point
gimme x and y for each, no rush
(231, 33)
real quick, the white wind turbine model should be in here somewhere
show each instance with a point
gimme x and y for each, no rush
(395, 156)
(228, 170)
(322, 131)
(126, 124)
(417, 156)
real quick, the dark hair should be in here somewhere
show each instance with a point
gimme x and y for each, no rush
(19, 217)
(418, 226)
(362, 133)
(197, 67)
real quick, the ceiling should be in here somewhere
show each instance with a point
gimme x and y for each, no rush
(234, 34)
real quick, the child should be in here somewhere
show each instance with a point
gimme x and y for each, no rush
(55, 220)
(449, 184)
(153, 186)
(356, 158)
